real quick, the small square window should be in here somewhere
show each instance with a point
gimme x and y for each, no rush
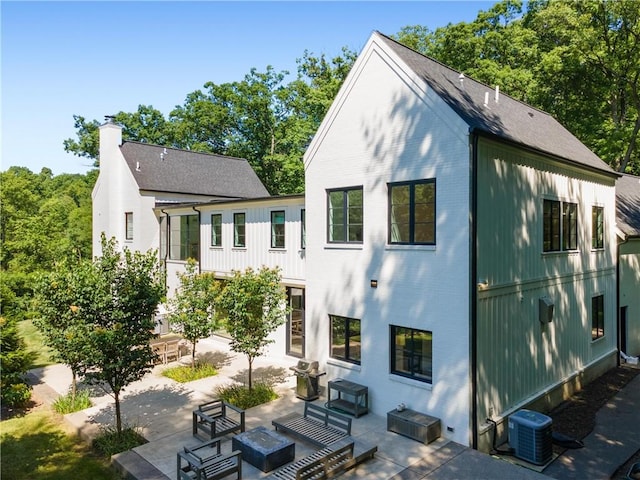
(412, 353)
(345, 219)
(345, 339)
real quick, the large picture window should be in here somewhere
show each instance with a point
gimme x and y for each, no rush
(560, 226)
(411, 353)
(184, 240)
(277, 229)
(597, 317)
(239, 226)
(216, 230)
(597, 227)
(412, 212)
(345, 215)
(345, 339)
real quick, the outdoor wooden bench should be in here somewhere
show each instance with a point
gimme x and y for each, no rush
(326, 463)
(217, 418)
(317, 425)
(205, 462)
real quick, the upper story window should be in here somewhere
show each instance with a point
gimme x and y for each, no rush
(128, 222)
(345, 339)
(184, 238)
(239, 227)
(412, 353)
(597, 317)
(277, 229)
(597, 227)
(345, 219)
(412, 212)
(303, 227)
(560, 226)
(216, 230)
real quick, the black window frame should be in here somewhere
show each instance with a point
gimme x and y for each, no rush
(346, 225)
(597, 317)
(237, 235)
(597, 227)
(352, 351)
(559, 226)
(216, 230)
(128, 225)
(411, 220)
(412, 357)
(189, 234)
(278, 237)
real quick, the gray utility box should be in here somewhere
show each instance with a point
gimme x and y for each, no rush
(418, 426)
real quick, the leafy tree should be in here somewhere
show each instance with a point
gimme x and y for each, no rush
(193, 306)
(254, 303)
(14, 362)
(106, 308)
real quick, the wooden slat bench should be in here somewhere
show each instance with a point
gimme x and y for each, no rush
(317, 425)
(326, 463)
(213, 466)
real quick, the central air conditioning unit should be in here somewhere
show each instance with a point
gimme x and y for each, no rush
(530, 436)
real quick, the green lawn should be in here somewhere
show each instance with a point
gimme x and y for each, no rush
(40, 355)
(37, 446)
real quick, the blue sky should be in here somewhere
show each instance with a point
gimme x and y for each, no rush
(99, 58)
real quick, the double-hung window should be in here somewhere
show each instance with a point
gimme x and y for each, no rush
(277, 229)
(597, 227)
(239, 226)
(412, 212)
(128, 221)
(345, 338)
(345, 215)
(216, 230)
(597, 317)
(560, 226)
(184, 239)
(411, 353)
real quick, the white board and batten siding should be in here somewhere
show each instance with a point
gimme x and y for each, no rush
(518, 356)
(386, 126)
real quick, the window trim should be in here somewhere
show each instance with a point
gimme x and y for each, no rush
(128, 225)
(412, 221)
(216, 237)
(347, 343)
(345, 208)
(392, 354)
(274, 235)
(236, 224)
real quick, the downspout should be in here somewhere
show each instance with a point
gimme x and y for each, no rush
(199, 239)
(165, 254)
(473, 286)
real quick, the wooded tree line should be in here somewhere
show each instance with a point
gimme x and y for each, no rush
(578, 60)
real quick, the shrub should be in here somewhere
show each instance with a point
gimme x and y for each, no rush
(242, 397)
(16, 395)
(14, 362)
(109, 441)
(69, 404)
(183, 373)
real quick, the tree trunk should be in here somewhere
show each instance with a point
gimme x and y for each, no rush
(250, 373)
(631, 146)
(74, 385)
(116, 396)
(193, 354)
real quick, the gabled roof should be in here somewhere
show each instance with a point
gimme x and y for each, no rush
(628, 205)
(162, 169)
(507, 119)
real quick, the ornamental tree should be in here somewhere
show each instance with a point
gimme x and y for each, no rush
(193, 306)
(255, 305)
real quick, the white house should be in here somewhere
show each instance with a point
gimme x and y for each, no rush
(455, 249)
(460, 246)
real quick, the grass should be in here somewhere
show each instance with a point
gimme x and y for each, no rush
(37, 446)
(39, 354)
(185, 373)
(109, 441)
(242, 397)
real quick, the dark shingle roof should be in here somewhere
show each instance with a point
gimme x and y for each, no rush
(509, 119)
(628, 205)
(170, 170)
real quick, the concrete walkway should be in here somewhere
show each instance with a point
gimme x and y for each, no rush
(162, 409)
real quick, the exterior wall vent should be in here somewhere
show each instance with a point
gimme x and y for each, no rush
(545, 310)
(530, 436)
